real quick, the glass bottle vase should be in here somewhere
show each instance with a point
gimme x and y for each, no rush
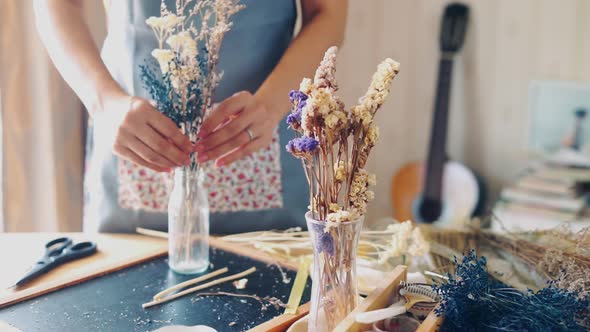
(334, 292)
(188, 222)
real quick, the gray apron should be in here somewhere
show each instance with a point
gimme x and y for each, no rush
(264, 191)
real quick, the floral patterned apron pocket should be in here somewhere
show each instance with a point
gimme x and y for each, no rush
(140, 188)
(250, 184)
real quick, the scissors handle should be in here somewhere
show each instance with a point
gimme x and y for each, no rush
(57, 252)
(55, 247)
(79, 250)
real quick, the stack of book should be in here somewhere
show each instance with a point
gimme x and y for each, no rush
(543, 197)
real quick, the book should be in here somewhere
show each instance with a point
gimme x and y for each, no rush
(548, 186)
(517, 217)
(551, 201)
(537, 211)
(563, 173)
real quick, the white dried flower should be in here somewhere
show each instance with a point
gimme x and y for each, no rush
(240, 284)
(419, 246)
(333, 207)
(339, 171)
(165, 22)
(306, 86)
(183, 43)
(321, 108)
(164, 58)
(309, 117)
(331, 121)
(321, 98)
(372, 135)
(325, 75)
(343, 216)
(405, 240)
(362, 113)
(376, 93)
(359, 194)
(399, 240)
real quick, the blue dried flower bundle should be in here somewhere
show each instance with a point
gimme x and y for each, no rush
(474, 301)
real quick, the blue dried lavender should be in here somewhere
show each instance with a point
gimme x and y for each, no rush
(299, 100)
(474, 301)
(302, 145)
(169, 100)
(324, 241)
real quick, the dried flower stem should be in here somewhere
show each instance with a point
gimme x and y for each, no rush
(275, 302)
(200, 287)
(187, 283)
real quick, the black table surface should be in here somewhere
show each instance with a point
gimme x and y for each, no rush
(113, 302)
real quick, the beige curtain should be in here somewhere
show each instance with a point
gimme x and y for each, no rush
(42, 129)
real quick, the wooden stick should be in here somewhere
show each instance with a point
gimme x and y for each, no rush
(200, 287)
(189, 282)
(298, 287)
(151, 232)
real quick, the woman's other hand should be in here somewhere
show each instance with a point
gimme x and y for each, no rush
(145, 136)
(237, 127)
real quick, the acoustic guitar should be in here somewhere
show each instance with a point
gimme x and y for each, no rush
(439, 190)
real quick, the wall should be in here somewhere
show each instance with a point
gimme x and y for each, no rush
(509, 43)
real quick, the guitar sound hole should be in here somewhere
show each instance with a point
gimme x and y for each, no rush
(430, 210)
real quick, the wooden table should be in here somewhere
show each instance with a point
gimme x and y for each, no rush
(115, 252)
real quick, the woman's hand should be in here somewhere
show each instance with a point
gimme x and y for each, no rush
(145, 136)
(237, 127)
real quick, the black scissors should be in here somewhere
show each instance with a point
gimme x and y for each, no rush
(57, 252)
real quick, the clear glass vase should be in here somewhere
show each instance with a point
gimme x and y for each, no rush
(334, 291)
(188, 222)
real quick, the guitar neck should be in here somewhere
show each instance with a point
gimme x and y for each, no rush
(432, 189)
(577, 139)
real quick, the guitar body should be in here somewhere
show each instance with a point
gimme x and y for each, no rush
(460, 195)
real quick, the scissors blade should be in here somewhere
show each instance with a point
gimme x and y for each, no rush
(36, 270)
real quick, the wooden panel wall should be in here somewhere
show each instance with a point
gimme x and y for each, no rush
(509, 43)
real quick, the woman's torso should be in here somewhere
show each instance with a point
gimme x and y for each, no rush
(244, 196)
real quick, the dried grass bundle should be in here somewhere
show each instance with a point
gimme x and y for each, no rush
(379, 247)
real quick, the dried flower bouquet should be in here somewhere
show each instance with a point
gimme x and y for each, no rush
(333, 145)
(188, 57)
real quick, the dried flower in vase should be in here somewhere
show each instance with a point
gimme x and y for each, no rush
(182, 84)
(334, 143)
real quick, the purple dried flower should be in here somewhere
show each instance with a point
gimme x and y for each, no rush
(324, 242)
(299, 100)
(302, 145)
(296, 96)
(294, 118)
